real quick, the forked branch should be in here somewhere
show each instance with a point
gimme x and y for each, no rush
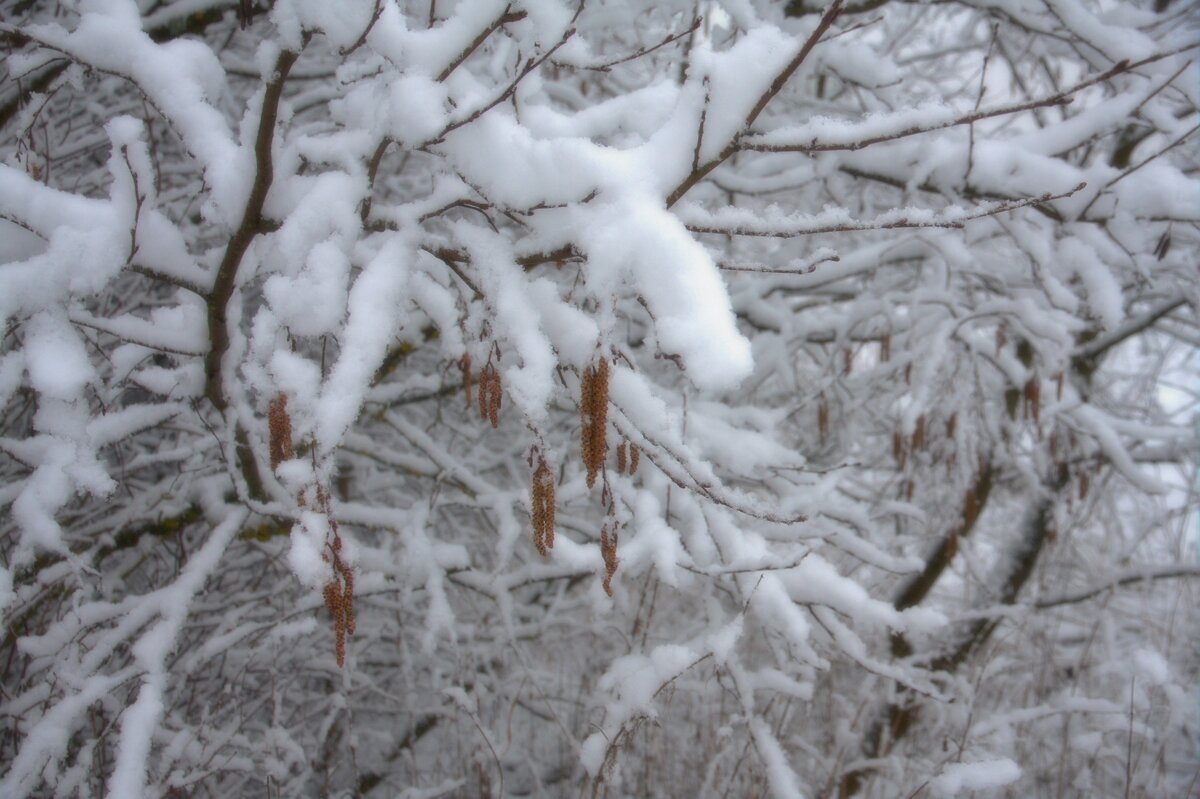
(700, 172)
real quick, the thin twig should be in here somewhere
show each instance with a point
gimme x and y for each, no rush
(500, 21)
(608, 65)
(904, 222)
(776, 86)
(1061, 98)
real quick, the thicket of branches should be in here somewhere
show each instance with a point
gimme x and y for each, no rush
(603, 398)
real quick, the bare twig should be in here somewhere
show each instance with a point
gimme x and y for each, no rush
(761, 142)
(1129, 578)
(886, 222)
(1101, 344)
(698, 174)
(530, 66)
(608, 65)
(499, 22)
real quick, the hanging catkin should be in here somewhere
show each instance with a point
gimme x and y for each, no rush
(593, 418)
(608, 550)
(542, 508)
(279, 425)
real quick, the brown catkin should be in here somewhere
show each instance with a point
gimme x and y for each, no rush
(634, 456)
(348, 596)
(339, 644)
(339, 599)
(918, 436)
(484, 387)
(338, 590)
(885, 348)
(465, 364)
(622, 458)
(542, 508)
(587, 391)
(494, 400)
(335, 602)
(593, 417)
(279, 424)
(608, 550)
(332, 597)
(1033, 399)
(823, 418)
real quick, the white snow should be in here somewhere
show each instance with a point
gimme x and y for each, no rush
(957, 778)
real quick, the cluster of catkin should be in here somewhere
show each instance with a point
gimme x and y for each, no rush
(628, 456)
(338, 591)
(919, 440)
(491, 392)
(593, 414)
(902, 445)
(593, 418)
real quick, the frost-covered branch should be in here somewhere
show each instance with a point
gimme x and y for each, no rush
(534, 396)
